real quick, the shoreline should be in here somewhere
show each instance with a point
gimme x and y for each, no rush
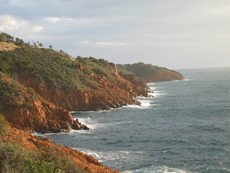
(73, 113)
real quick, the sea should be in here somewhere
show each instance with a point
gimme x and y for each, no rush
(182, 127)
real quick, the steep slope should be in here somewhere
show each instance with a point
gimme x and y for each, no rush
(23, 152)
(150, 73)
(24, 109)
(74, 84)
(40, 86)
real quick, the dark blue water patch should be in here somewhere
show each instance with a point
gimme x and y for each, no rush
(186, 128)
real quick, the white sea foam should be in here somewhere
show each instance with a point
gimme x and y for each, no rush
(88, 122)
(156, 94)
(48, 134)
(157, 169)
(151, 84)
(106, 156)
(152, 88)
(111, 156)
(92, 124)
(38, 134)
(73, 132)
(154, 91)
(144, 104)
(186, 79)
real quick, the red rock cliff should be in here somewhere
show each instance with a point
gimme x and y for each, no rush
(25, 109)
(81, 161)
(106, 94)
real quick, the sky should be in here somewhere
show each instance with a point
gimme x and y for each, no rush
(172, 33)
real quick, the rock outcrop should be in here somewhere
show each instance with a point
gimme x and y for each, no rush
(24, 109)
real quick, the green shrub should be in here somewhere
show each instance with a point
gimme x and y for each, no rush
(12, 94)
(2, 125)
(54, 68)
(14, 159)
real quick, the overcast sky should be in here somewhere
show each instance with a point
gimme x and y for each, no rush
(171, 33)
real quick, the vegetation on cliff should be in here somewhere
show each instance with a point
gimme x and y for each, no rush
(150, 73)
(25, 109)
(39, 86)
(22, 152)
(55, 68)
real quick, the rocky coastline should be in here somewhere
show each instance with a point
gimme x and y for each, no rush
(39, 87)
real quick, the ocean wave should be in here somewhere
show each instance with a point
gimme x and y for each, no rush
(108, 156)
(40, 134)
(144, 104)
(73, 132)
(151, 84)
(156, 94)
(88, 122)
(186, 79)
(154, 91)
(49, 134)
(93, 124)
(157, 169)
(152, 88)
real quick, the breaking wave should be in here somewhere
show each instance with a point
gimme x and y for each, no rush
(157, 169)
(109, 156)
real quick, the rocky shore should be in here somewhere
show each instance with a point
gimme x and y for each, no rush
(39, 87)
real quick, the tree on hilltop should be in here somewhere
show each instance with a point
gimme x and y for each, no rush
(6, 37)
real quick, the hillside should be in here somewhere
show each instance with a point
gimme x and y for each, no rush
(150, 73)
(38, 89)
(40, 86)
(23, 152)
(74, 84)
(27, 110)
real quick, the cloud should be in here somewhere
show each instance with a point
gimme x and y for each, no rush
(37, 29)
(159, 31)
(106, 43)
(58, 19)
(12, 24)
(71, 23)
(86, 42)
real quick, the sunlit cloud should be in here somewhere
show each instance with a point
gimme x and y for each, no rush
(13, 24)
(105, 43)
(58, 19)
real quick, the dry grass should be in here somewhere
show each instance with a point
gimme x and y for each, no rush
(5, 46)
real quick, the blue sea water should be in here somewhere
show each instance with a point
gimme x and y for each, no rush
(185, 127)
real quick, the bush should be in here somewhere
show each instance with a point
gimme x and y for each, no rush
(2, 125)
(15, 159)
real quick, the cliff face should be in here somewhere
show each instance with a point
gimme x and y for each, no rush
(151, 73)
(106, 94)
(48, 84)
(24, 109)
(38, 88)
